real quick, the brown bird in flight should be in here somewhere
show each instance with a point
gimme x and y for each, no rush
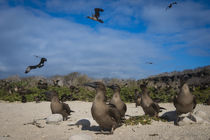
(96, 15)
(170, 5)
(149, 62)
(41, 64)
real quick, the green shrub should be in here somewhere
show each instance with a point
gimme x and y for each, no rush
(201, 94)
(127, 93)
(164, 95)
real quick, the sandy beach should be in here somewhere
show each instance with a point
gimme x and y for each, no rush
(13, 116)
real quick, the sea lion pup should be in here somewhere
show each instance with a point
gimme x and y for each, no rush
(150, 107)
(106, 115)
(184, 102)
(137, 97)
(59, 108)
(116, 100)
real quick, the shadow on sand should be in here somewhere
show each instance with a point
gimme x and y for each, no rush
(169, 116)
(86, 125)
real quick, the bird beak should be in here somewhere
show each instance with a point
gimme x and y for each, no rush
(93, 85)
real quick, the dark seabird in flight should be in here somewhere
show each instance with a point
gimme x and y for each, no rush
(96, 15)
(41, 64)
(149, 63)
(170, 5)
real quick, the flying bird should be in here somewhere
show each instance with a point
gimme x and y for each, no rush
(97, 15)
(170, 5)
(41, 64)
(149, 63)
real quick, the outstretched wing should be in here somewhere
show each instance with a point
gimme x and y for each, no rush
(170, 5)
(29, 68)
(41, 63)
(101, 21)
(97, 10)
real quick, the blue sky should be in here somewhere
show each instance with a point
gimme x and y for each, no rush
(134, 32)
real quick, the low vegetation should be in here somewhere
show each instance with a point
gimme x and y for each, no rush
(87, 94)
(162, 87)
(145, 119)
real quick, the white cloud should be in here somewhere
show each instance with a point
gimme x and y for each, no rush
(72, 6)
(102, 51)
(69, 46)
(184, 16)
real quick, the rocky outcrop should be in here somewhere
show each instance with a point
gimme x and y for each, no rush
(197, 77)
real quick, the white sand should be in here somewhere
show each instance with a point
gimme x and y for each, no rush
(14, 115)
